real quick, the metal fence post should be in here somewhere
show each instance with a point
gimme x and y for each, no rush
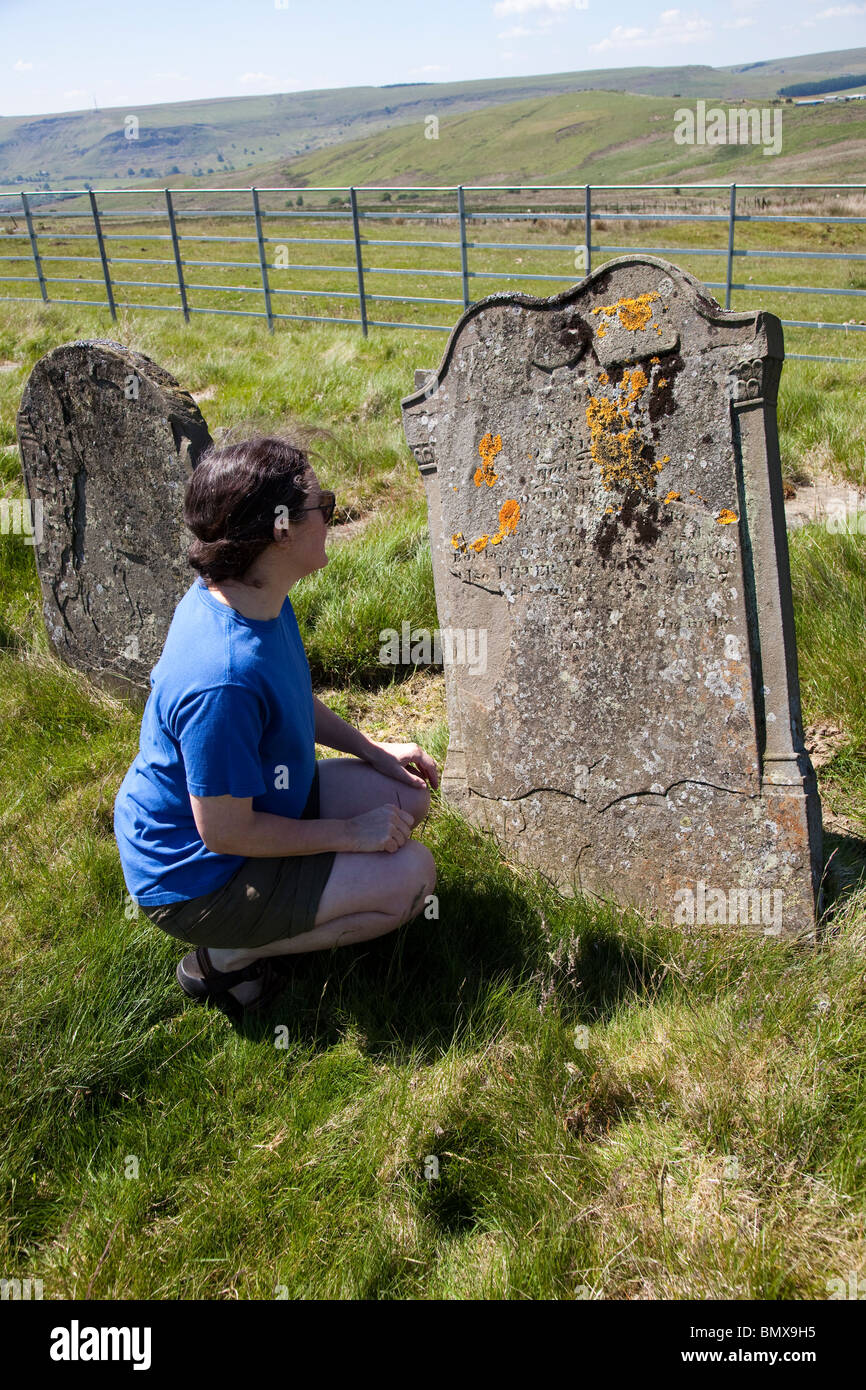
(266, 289)
(31, 231)
(587, 227)
(464, 261)
(358, 261)
(101, 244)
(176, 244)
(732, 221)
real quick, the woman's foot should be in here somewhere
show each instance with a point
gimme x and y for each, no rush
(231, 959)
(203, 977)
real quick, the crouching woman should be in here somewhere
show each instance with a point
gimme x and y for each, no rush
(232, 836)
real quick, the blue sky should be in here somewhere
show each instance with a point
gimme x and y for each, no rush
(60, 56)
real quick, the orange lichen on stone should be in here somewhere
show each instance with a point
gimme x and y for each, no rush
(458, 541)
(633, 314)
(488, 449)
(725, 517)
(634, 383)
(603, 379)
(604, 414)
(623, 455)
(662, 381)
(656, 361)
(602, 331)
(509, 515)
(673, 497)
(621, 460)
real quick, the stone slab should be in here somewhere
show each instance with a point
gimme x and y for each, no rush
(108, 440)
(605, 502)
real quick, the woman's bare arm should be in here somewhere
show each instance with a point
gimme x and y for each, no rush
(334, 732)
(229, 825)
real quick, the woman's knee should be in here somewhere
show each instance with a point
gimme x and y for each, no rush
(415, 800)
(419, 880)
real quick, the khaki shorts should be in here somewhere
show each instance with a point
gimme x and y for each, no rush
(264, 901)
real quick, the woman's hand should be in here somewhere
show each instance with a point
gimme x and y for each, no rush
(405, 762)
(385, 827)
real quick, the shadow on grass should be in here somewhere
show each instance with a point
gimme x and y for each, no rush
(415, 992)
(844, 874)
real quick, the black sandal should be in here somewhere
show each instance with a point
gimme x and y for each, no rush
(212, 986)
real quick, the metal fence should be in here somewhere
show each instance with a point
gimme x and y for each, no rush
(583, 207)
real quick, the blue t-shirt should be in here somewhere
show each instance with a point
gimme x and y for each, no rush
(230, 712)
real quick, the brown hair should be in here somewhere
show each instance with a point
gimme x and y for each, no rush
(231, 501)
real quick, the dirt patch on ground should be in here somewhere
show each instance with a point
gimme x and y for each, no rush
(823, 742)
(824, 499)
(345, 530)
(388, 715)
(844, 845)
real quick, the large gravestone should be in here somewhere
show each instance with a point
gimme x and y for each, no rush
(108, 440)
(605, 502)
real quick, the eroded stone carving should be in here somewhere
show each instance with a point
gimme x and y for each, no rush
(108, 440)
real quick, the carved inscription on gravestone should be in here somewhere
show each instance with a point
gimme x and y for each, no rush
(108, 440)
(605, 499)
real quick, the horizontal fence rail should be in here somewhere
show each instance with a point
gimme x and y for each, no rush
(584, 210)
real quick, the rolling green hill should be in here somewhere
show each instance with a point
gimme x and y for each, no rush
(595, 137)
(229, 136)
(590, 137)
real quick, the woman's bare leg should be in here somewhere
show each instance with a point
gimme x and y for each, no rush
(366, 895)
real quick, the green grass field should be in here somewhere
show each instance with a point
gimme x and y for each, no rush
(585, 136)
(704, 1138)
(408, 257)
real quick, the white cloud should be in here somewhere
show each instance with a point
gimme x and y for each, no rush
(76, 92)
(841, 12)
(249, 79)
(429, 67)
(21, 66)
(170, 77)
(739, 23)
(673, 27)
(621, 37)
(505, 7)
(519, 31)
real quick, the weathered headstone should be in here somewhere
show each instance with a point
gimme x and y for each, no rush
(605, 500)
(108, 440)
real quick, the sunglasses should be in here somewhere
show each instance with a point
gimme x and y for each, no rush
(326, 505)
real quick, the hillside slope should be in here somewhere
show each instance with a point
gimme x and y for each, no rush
(595, 137)
(235, 134)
